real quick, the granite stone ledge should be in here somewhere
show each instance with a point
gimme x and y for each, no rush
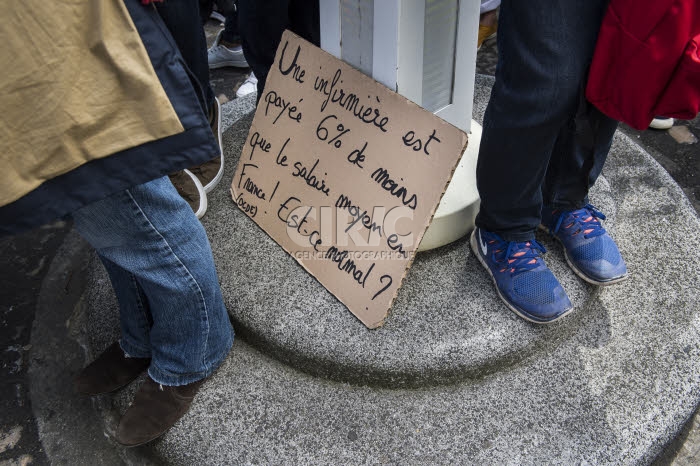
(447, 323)
(612, 384)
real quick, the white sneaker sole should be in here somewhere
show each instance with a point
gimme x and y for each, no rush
(212, 184)
(202, 195)
(243, 92)
(229, 63)
(665, 123)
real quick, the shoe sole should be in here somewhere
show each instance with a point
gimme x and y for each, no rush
(115, 389)
(229, 63)
(212, 184)
(129, 445)
(576, 270)
(202, 195)
(663, 124)
(247, 93)
(518, 312)
(217, 16)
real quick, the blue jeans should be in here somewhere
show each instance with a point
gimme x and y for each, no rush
(160, 263)
(542, 142)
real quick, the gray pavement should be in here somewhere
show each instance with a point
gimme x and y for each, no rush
(27, 258)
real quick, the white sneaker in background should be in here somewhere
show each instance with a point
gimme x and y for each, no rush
(217, 16)
(249, 86)
(661, 123)
(220, 56)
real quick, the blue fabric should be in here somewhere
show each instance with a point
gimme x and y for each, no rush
(541, 140)
(159, 261)
(100, 178)
(522, 279)
(590, 251)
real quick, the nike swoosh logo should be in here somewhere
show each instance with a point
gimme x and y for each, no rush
(482, 243)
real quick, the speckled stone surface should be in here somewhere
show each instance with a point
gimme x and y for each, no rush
(611, 384)
(446, 324)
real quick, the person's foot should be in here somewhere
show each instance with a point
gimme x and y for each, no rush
(155, 409)
(589, 250)
(215, 15)
(111, 371)
(248, 87)
(488, 27)
(523, 281)
(209, 173)
(190, 188)
(220, 55)
(661, 123)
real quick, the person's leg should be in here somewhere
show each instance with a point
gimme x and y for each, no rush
(125, 360)
(544, 50)
(205, 9)
(261, 25)
(134, 315)
(182, 18)
(578, 157)
(577, 160)
(226, 49)
(230, 35)
(150, 233)
(304, 20)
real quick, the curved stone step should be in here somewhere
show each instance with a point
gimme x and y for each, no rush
(447, 324)
(612, 384)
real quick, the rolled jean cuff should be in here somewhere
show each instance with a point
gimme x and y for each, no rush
(170, 379)
(133, 351)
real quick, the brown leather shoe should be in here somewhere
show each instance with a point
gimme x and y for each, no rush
(112, 370)
(154, 410)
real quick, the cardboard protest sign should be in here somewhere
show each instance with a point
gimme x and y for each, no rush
(344, 174)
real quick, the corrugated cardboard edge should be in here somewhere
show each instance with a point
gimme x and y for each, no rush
(465, 139)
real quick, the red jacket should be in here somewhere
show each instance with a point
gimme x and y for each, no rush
(647, 61)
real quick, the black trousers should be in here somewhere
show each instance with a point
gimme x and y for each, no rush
(543, 144)
(183, 20)
(261, 24)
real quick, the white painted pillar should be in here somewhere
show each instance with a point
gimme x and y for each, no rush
(386, 39)
(426, 51)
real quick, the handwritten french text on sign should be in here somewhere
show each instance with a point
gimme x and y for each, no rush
(344, 174)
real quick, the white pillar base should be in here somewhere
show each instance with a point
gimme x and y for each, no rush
(455, 215)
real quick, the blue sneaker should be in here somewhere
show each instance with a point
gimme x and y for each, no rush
(522, 279)
(589, 250)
